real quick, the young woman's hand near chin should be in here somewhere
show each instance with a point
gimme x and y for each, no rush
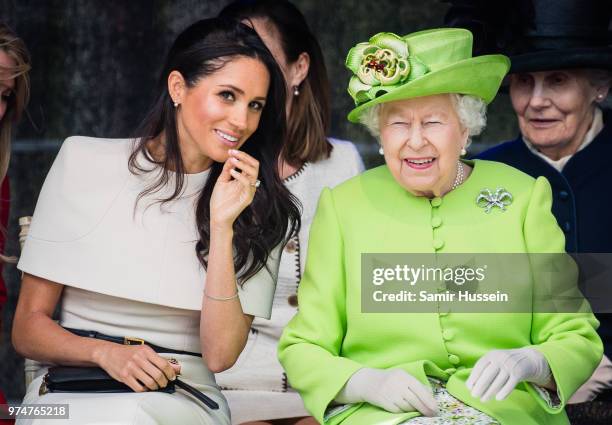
(234, 190)
(223, 326)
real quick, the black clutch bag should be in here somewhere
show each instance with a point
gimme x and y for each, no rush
(69, 379)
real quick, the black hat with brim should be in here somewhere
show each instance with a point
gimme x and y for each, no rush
(539, 35)
(546, 60)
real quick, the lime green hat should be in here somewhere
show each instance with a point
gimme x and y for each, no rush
(389, 67)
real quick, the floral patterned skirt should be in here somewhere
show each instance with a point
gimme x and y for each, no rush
(451, 411)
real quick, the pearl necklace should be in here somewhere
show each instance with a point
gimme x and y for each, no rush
(459, 177)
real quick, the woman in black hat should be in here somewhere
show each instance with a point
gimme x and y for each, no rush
(559, 86)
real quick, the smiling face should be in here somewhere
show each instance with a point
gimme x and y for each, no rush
(422, 139)
(554, 109)
(7, 85)
(220, 112)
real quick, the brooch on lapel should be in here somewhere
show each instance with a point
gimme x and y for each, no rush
(487, 200)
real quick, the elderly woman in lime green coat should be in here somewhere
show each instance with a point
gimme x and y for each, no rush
(354, 367)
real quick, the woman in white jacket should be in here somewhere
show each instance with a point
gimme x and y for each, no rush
(169, 239)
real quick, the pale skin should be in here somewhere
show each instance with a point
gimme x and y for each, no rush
(424, 129)
(555, 109)
(227, 102)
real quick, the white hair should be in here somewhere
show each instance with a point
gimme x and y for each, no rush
(471, 110)
(600, 78)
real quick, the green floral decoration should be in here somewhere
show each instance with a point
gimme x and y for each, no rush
(380, 66)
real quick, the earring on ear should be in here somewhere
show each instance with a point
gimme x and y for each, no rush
(176, 104)
(296, 91)
(463, 152)
(600, 96)
(381, 151)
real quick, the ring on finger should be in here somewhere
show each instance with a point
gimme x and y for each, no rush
(256, 184)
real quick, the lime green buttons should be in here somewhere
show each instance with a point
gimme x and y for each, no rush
(448, 334)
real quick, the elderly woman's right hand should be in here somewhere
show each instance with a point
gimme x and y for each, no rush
(135, 365)
(395, 390)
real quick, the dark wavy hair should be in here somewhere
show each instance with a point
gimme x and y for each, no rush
(308, 124)
(202, 49)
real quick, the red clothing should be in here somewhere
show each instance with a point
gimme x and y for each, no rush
(5, 203)
(5, 421)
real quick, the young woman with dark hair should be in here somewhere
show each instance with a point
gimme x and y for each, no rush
(256, 388)
(172, 238)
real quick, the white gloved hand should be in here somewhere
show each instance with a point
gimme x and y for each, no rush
(499, 371)
(395, 390)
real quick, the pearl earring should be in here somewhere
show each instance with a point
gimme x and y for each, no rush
(463, 152)
(296, 91)
(176, 104)
(600, 96)
(381, 151)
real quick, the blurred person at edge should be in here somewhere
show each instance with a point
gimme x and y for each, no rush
(256, 387)
(424, 95)
(559, 80)
(172, 237)
(14, 94)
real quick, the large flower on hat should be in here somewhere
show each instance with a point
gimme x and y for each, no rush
(380, 66)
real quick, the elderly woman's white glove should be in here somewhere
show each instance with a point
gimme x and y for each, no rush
(394, 390)
(499, 371)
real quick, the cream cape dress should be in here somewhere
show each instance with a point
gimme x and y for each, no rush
(128, 271)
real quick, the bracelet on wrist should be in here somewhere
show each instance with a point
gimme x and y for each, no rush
(221, 298)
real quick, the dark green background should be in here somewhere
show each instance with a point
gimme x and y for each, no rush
(95, 62)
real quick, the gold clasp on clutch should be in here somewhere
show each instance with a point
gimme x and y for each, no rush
(129, 340)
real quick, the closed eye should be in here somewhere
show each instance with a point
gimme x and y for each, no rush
(523, 79)
(558, 79)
